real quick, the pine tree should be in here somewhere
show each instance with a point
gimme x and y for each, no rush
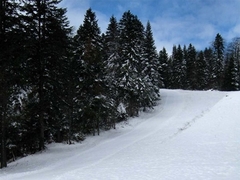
(218, 61)
(130, 83)
(91, 82)
(231, 79)
(201, 71)
(208, 56)
(184, 65)
(191, 78)
(233, 50)
(177, 68)
(112, 69)
(163, 68)
(10, 68)
(47, 40)
(231, 68)
(150, 75)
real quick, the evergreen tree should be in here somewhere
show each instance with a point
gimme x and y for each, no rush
(170, 71)
(130, 83)
(233, 50)
(201, 71)
(112, 68)
(91, 83)
(177, 68)
(208, 56)
(231, 79)
(47, 42)
(191, 68)
(163, 68)
(218, 61)
(184, 76)
(231, 68)
(10, 69)
(150, 74)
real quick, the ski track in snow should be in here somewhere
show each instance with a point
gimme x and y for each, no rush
(179, 140)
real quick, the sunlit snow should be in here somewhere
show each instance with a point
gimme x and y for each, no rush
(190, 135)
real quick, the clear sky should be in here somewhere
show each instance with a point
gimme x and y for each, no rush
(173, 21)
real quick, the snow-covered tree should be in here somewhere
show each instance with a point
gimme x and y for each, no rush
(150, 74)
(234, 51)
(201, 71)
(178, 69)
(218, 61)
(163, 68)
(232, 65)
(91, 87)
(46, 43)
(208, 56)
(112, 68)
(231, 77)
(130, 82)
(191, 81)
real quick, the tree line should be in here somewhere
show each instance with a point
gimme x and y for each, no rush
(216, 67)
(59, 86)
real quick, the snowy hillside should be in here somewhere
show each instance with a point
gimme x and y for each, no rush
(191, 135)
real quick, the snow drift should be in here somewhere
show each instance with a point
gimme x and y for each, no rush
(189, 135)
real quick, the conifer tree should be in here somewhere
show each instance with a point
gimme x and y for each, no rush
(130, 83)
(201, 71)
(163, 68)
(208, 56)
(218, 61)
(233, 50)
(184, 76)
(150, 75)
(10, 68)
(231, 79)
(191, 68)
(91, 82)
(231, 68)
(177, 68)
(112, 68)
(47, 41)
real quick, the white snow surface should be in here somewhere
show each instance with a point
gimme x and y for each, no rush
(190, 135)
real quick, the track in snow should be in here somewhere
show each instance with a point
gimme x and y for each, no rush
(148, 150)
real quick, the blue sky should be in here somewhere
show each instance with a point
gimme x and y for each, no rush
(173, 21)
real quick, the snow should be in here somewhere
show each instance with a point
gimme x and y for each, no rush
(190, 135)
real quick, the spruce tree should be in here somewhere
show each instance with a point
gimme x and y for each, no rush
(233, 50)
(112, 69)
(130, 83)
(201, 71)
(91, 83)
(184, 76)
(177, 68)
(47, 40)
(231, 68)
(208, 56)
(11, 70)
(231, 79)
(191, 78)
(150, 75)
(163, 68)
(218, 61)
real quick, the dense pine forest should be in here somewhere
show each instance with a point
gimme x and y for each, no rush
(59, 86)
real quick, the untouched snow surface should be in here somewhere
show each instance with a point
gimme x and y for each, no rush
(190, 135)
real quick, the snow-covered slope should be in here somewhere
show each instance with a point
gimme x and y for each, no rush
(191, 135)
